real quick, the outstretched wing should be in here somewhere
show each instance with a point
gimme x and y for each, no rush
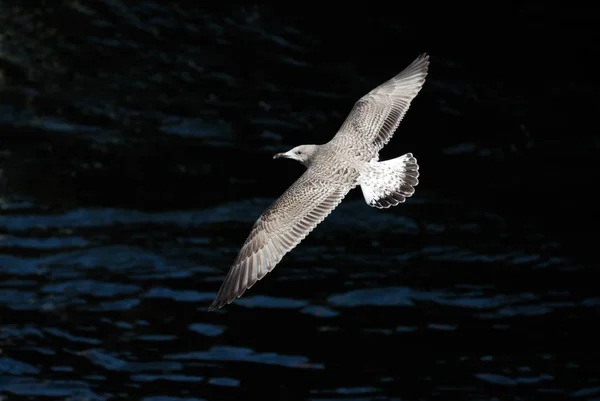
(374, 117)
(277, 231)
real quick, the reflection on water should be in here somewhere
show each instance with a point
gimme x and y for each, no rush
(135, 154)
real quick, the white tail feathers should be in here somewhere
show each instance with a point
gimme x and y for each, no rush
(389, 183)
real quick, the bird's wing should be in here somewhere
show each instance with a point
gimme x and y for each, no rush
(374, 117)
(278, 230)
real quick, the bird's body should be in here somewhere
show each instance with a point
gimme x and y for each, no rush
(349, 159)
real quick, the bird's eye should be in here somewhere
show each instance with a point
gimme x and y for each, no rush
(299, 152)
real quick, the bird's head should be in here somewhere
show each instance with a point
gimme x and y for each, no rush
(302, 153)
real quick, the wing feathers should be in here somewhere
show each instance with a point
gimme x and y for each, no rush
(374, 117)
(279, 229)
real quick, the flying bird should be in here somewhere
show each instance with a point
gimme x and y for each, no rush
(349, 159)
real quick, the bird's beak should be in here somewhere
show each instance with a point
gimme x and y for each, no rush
(280, 155)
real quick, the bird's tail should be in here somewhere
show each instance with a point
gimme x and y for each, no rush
(390, 182)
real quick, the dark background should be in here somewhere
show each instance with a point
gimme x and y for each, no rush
(136, 144)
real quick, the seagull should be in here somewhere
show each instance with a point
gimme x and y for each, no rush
(349, 159)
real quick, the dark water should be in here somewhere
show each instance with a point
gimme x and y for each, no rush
(135, 153)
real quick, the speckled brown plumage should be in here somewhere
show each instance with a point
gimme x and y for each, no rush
(333, 169)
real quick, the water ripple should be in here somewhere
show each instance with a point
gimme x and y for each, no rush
(227, 353)
(17, 368)
(110, 362)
